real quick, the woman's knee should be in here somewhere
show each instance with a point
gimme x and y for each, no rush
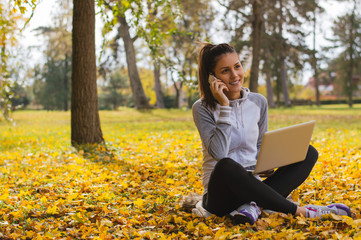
(225, 163)
(228, 165)
(312, 154)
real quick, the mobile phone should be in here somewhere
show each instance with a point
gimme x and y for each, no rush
(211, 78)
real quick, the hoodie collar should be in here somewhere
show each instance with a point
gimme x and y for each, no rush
(244, 93)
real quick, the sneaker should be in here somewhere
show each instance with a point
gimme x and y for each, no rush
(314, 211)
(200, 211)
(247, 213)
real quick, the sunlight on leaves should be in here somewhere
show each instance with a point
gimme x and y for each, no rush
(130, 187)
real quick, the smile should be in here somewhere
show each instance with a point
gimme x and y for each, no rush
(234, 83)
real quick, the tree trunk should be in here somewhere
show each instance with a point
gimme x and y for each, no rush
(5, 104)
(139, 97)
(158, 86)
(190, 91)
(177, 95)
(177, 91)
(286, 97)
(314, 62)
(283, 69)
(115, 105)
(66, 83)
(85, 123)
(156, 65)
(256, 44)
(278, 87)
(350, 72)
(270, 100)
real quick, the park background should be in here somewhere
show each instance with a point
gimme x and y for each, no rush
(305, 53)
(128, 182)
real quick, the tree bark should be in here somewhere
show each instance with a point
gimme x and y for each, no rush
(158, 86)
(286, 97)
(139, 97)
(66, 83)
(177, 94)
(256, 44)
(177, 91)
(5, 107)
(85, 123)
(278, 86)
(314, 62)
(283, 69)
(270, 100)
(350, 72)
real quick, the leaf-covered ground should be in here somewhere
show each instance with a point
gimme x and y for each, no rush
(130, 187)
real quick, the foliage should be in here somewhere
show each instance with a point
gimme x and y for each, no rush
(10, 21)
(23, 5)
(49, 88)
(169, 100)
(20, 97)
(53, 80)
(180, 47)
(271, 35)
(169, 28)
(115, 92)
(130, 188)
(347, 37)
(8, 30)
(147, 78)
(143, 16)
(132, 20)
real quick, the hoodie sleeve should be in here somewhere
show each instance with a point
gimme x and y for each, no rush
(263, 121)
(215, 136)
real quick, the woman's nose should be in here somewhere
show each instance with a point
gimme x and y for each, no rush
(233, 74)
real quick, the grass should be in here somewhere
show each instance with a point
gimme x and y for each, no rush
(50, 190)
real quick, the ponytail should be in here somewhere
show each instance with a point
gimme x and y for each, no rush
(207, 59)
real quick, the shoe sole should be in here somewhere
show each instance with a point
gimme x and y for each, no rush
(241, 219)
(338, 205)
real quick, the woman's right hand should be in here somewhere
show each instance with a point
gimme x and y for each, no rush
(267, 174)
(217, 88)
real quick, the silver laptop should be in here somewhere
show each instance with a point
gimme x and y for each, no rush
(284, 146)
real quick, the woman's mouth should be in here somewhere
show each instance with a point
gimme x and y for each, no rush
(234, 83)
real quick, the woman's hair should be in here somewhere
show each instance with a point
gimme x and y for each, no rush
(208, 57)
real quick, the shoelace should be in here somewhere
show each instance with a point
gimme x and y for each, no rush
(255, 211)
(319, 212)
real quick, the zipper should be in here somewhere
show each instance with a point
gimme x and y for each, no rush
(237, 116)
(242, 115)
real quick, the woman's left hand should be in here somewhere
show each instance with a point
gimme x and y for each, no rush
(266, 174)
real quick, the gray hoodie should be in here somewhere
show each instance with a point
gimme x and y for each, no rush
(235, 132)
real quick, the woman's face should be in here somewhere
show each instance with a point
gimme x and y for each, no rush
(230, 71)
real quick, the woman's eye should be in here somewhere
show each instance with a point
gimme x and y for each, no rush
(238, 66)
(224, 71)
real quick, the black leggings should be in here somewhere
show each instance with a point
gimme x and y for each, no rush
(231, 186)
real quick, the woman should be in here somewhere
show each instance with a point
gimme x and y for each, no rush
(231, 121)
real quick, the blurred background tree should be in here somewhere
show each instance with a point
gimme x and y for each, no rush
(11, 22)
(54, 93)
(347, 37)
(180, 57)
(148, 55)
(115, 92)
(272, 33)
(133, 20)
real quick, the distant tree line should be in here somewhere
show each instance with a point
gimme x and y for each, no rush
(163, 35)
(269, 35)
